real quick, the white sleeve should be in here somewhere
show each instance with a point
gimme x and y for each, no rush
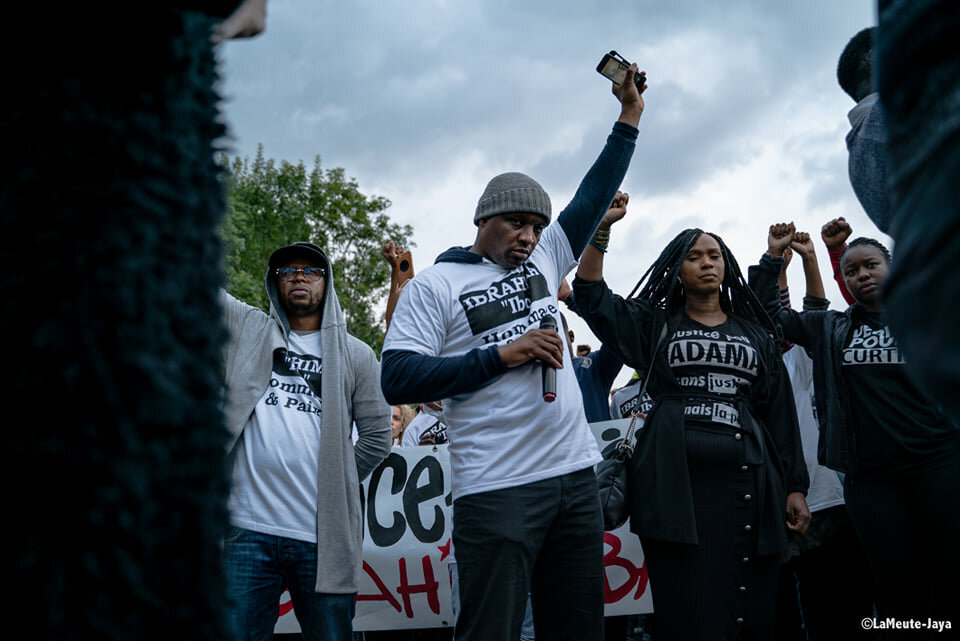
(417, 324)
(555, 247)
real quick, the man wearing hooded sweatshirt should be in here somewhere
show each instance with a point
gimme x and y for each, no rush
(297, 383)
(526, 511)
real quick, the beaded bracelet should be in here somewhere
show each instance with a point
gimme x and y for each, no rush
(601, 240)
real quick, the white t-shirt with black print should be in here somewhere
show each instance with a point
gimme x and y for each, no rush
(274, 487)
(503, 434)
(826, 490)
(627, 399)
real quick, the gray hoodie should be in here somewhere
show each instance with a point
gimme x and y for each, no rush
(350, 389)
(867, 164)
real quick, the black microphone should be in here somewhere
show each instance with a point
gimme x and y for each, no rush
(548, 374)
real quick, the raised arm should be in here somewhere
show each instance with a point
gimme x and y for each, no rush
(784, 287)
(763, 278)
(835, 234)
(597, 189)
(591, 261)
(623, 326)
(401, 270)
(630, 97)
(417, 375)
(815, 297)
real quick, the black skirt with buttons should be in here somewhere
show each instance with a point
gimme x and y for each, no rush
(720, 588)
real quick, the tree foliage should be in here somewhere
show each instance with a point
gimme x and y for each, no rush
(271, 205)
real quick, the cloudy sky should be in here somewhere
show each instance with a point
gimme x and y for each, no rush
(423, 101)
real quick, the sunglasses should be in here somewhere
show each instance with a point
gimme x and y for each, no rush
(310, 274)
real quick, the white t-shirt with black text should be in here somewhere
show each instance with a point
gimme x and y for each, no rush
(626, 400)
(826, 490)
(503, 434)
(427, 421)
(274, 489)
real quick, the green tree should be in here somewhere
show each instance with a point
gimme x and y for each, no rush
(270, 205)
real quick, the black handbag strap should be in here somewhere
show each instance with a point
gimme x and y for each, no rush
(626, 443)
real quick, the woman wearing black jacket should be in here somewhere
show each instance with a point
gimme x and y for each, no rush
(718, 466)
(899, 454)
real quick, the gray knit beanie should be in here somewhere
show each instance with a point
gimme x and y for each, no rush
(512, 192)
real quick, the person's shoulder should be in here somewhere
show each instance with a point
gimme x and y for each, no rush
(553, 239)
(416, 426)
(435, 288)
(442, 283)
(437, 275)
(828, 316)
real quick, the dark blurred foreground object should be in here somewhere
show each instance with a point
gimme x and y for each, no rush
(109, 269)
(918, 77)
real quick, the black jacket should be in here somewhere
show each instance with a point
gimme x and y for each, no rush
(661, 500)
(823, 333)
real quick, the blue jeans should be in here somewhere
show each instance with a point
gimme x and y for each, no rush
(259, 567)
(542, 541)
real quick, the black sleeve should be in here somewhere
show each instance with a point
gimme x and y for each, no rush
(802, 328)
(607, 361)
(815, 303)
(571, 303)
(409, 377)
(764, 280)
(580, 218)
(623, 326)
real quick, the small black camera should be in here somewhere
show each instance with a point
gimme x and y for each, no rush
(614, 66)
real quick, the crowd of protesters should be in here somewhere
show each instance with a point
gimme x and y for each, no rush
(792, 479)
(797, 474)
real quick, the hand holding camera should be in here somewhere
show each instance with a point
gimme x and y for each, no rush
(628, 85)
(615, 67)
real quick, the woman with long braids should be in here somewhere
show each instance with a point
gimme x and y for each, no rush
(718, 474)
(899, 454)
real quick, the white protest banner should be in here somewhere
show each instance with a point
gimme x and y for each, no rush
(407, 547)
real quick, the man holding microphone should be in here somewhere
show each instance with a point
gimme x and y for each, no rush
(468, 330)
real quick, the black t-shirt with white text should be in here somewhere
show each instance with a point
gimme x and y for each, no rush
(897, 426)
(713, 364)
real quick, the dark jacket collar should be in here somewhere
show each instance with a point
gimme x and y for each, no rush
(459, 255)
